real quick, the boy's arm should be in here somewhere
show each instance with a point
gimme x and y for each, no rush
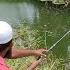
(17, 53)
(34, 65)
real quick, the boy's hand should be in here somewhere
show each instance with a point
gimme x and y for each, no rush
(40, 52)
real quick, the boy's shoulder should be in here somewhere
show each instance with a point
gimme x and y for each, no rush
(3, 66)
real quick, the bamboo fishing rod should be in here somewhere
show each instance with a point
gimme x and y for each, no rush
(39, 59)
(58, 41)
(55, 43)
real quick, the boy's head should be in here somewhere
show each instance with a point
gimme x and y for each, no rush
(5, 35)
(5, 32)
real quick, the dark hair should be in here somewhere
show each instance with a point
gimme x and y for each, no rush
(4, 46)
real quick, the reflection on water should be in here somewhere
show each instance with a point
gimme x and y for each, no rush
(17, 12)
(28, 12)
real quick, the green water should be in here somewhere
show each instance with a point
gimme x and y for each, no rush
(50, 25)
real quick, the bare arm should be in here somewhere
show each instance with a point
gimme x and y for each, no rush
(17, 53)
(34, 65)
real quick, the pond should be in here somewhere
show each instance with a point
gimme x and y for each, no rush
(43, 27)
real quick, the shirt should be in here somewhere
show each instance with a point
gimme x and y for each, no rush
(3, 66)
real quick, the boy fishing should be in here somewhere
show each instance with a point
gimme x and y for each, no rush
(8, 51)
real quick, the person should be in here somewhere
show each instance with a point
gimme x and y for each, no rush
(7, 50)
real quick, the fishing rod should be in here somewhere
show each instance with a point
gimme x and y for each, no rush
(58, 41)
(42, 57)
(55, 44)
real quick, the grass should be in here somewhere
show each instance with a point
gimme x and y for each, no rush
(24, 37)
